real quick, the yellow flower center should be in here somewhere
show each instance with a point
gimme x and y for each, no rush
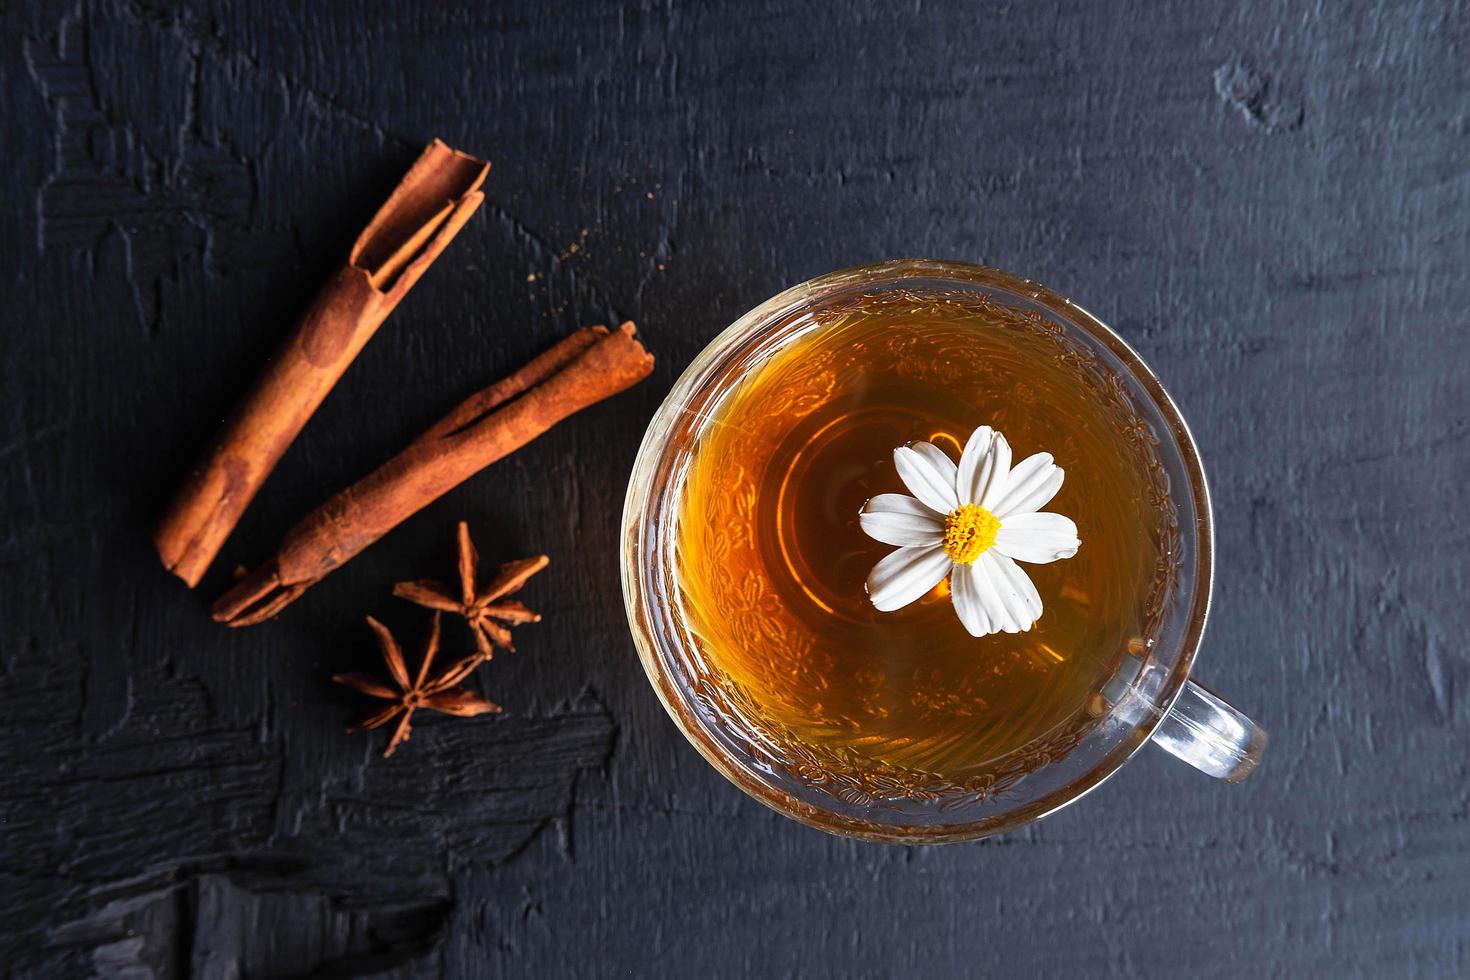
(969, 531)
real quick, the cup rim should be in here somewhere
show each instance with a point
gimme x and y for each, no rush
(747, 327)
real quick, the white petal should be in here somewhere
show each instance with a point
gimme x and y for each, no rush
(1016, 589)
(928, 479)
(902, 503)
(976, 448)
(968, 601)
(905, 575)
(938, 457)
(1037, 538)
(983, 466)
(896, 518)
(999, 476)
(984, 585)
(1033, 482)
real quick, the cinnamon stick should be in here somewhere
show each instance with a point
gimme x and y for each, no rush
(581, 369)
(427, 209)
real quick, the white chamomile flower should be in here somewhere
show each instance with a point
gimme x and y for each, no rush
(972, 522)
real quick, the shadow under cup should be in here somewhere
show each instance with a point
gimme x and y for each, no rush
(1142, 700)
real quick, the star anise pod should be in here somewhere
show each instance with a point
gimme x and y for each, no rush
(487, 609)
(437, 693)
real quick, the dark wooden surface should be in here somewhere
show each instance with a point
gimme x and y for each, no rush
(1271, 201)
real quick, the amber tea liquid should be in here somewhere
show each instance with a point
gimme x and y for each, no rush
(771, 561)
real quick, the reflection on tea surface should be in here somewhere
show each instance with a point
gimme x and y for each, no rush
(772, 561)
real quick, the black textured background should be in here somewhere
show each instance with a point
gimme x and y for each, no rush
(1269, 200)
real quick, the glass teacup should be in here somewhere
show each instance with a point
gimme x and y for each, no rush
(1147, 694)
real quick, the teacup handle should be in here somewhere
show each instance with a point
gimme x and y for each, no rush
(1210, 735)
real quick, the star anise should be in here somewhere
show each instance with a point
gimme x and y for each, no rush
(487, 609)
(437, 693)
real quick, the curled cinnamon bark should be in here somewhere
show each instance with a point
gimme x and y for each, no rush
(428, 208)
(580, 370)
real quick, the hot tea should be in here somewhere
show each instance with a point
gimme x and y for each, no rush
(773, 565)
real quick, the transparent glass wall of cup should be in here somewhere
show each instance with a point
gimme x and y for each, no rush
(1149, 698)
